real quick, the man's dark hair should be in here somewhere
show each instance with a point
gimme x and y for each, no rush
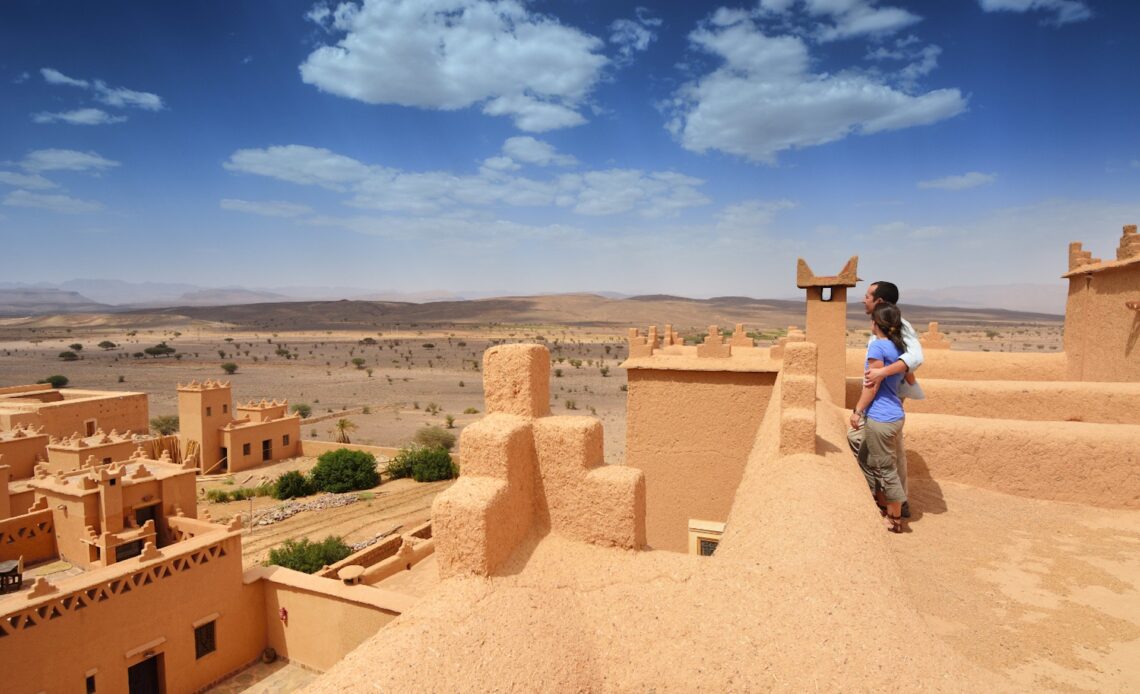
(886, 291)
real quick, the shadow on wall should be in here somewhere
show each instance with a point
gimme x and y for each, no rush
(1134, 334)
(823, 446)
(925, 493)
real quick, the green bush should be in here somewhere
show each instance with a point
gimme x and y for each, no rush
(422, 464)
(292, 484)
(164, 424)
(68, 356)
(229, 367)
(56, 381)
(435, 437)
(219, 496)
(302, 409)
(307, 556)
(344, 470)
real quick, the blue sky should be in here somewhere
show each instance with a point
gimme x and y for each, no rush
(681, 147)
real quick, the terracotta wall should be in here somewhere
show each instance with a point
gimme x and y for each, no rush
(691, 433)
(977, 366)
(326, 619)
(1059, 401)
(135, 607)
(1102, 335)
(31, 535)
(125, 412)
(20, 454)
(275, 431)
(1097, 462)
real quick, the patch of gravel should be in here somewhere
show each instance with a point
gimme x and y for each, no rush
(292, 508)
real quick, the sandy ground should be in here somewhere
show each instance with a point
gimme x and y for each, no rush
(1046, 592)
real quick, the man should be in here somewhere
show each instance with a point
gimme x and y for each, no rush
(908, 363)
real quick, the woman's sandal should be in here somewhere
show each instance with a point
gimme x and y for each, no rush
(895, 524)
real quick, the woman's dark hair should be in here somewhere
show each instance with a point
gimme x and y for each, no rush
(889, 319)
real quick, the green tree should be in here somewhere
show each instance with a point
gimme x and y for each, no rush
(107, 344)
(229, 367)
(344, 470)
(164, 424)
(435, 437)
(302, 409)
(307, 556)
(358, 362)
(76, 346)
(422, 464)
(68, 356)
(56, 381)
(160, 350)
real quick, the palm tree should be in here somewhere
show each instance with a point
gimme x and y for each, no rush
(343, 426)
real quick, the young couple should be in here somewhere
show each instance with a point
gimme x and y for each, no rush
(876, 433)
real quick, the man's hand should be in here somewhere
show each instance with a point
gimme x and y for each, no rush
(856, 420)
(872, 377)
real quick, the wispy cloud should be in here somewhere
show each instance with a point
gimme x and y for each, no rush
(83, 116)
(29, 181)
(844, 19)
(531, 151)
(648, 194)
(633, 36)
(266, 208)
(118, 97)
(65, 160)
(455, 54)
(1059, 12)
(972, 179)
(53, 203)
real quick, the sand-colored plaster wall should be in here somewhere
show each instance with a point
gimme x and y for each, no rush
(1057, 401)
(124, 412)
(1081, 462)
(276, 431)
(977, 366)
(324, 621)
(21, 454)
(158, 612)
(31, 535)
(690, 432)
(1102, 335)
(312, 447)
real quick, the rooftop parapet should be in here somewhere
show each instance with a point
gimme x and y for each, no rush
(846, 278)
(933, 339)
(1127, 253)
(196, 387)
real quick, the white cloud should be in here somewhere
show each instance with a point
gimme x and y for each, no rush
(764, 99)
(52, 76)
(29, 181)
(452, 54)
(1062, 11)
(54, 203)
(119, 97)
(633, 35)
(747, 217)
(973, 179)
(21, 78)
(65, 160)
(83, 116)
(531, 151)
(300, 164)
(848, 18)
(266, 208)
(648, 194)
(922, 60)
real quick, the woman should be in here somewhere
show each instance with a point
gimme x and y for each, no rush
(880, 412)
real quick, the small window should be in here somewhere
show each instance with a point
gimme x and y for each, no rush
(285, 440)
(107, 461)
(245, 449)
(89, 427)
(225, 409)
(112, 481)
(708, 547)
(91, 684)
(204, 643)
(209, 411)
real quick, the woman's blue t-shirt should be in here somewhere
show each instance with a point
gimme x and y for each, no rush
(886, 407)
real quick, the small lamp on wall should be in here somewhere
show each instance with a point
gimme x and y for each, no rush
(1134, 305)
(283, 615)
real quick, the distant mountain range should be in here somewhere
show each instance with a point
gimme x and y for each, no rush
(113, 296)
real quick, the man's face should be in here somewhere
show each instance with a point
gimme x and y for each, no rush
(869, 299)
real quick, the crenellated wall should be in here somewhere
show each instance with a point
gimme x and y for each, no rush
(525, 471)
